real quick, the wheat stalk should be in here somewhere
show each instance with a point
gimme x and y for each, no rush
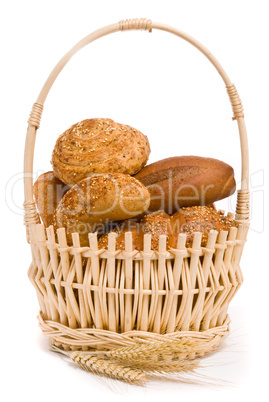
(104, 367)
(179, 366)
(134, 364)
(156, 351)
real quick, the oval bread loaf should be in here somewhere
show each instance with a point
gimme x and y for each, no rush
(48, 192)
(98, 146)
(183, 181)
(100, 198)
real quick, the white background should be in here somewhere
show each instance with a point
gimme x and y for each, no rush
(168, 90)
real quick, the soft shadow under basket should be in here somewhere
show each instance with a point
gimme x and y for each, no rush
(108, 300)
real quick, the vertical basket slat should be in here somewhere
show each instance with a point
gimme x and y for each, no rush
(94, 266)
(111, 273)
(197, 305)
(241, 239)
(35, 272)
(128, 265)
(52, 246)
(103, 293)
(179, 253)
(117, 292)
(145, 279)
(72, 292)
(122, 295)
(186, 295)
(216, 268)
(65, 265)
(169, 298)
(137, 264)
(88, 293)
(195, 253)
(161, 276)
(47, 271)
(226, 279)
(154, 291)
(83, 310)
(209, 250)
(141, 314)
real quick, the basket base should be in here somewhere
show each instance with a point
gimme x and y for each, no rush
(91, 339)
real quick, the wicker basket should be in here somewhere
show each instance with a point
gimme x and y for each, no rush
(93, 299)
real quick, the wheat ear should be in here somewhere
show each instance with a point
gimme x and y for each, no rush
(105, 367)
(156, 351)
(179, 366)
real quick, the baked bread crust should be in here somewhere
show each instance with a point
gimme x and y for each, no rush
(155, 224)
(48, 191)
(198, 219)
(120, 229)
(98, 146)
(183, 181)
(90, 204)
(188, 220)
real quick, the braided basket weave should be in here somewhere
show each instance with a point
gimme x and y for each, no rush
(93, 299)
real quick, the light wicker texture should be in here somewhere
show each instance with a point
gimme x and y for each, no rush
(105, 300)
(162, 291)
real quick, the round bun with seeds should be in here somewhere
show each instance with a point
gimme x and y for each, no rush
(98, 146)
(155, 224)
(199, 219)
(93, 202)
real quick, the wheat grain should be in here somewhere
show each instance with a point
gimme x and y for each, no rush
(171, 366)
(156, 351)
(137, 363)
(105, 367)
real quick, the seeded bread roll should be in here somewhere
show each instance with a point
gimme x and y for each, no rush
(120, 230)
(183, 181)
(48, 192)
(158, 223)
(94, 201)
(155, 224)
(198, 219)
(98, 146)
(187, 220)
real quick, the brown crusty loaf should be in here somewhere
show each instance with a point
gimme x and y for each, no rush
(100, 198)
(183, 181)
(188, 220)
(198, 219)
(98, 146)
(48, 192)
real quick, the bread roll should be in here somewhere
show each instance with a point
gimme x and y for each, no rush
(98, 146)
(94, 201)
(155, 224)
(120, 230)
(186, 181)
(48, 192)
(198, 219)
(188, 220)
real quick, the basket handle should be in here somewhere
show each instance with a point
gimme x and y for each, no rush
(242, 207)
